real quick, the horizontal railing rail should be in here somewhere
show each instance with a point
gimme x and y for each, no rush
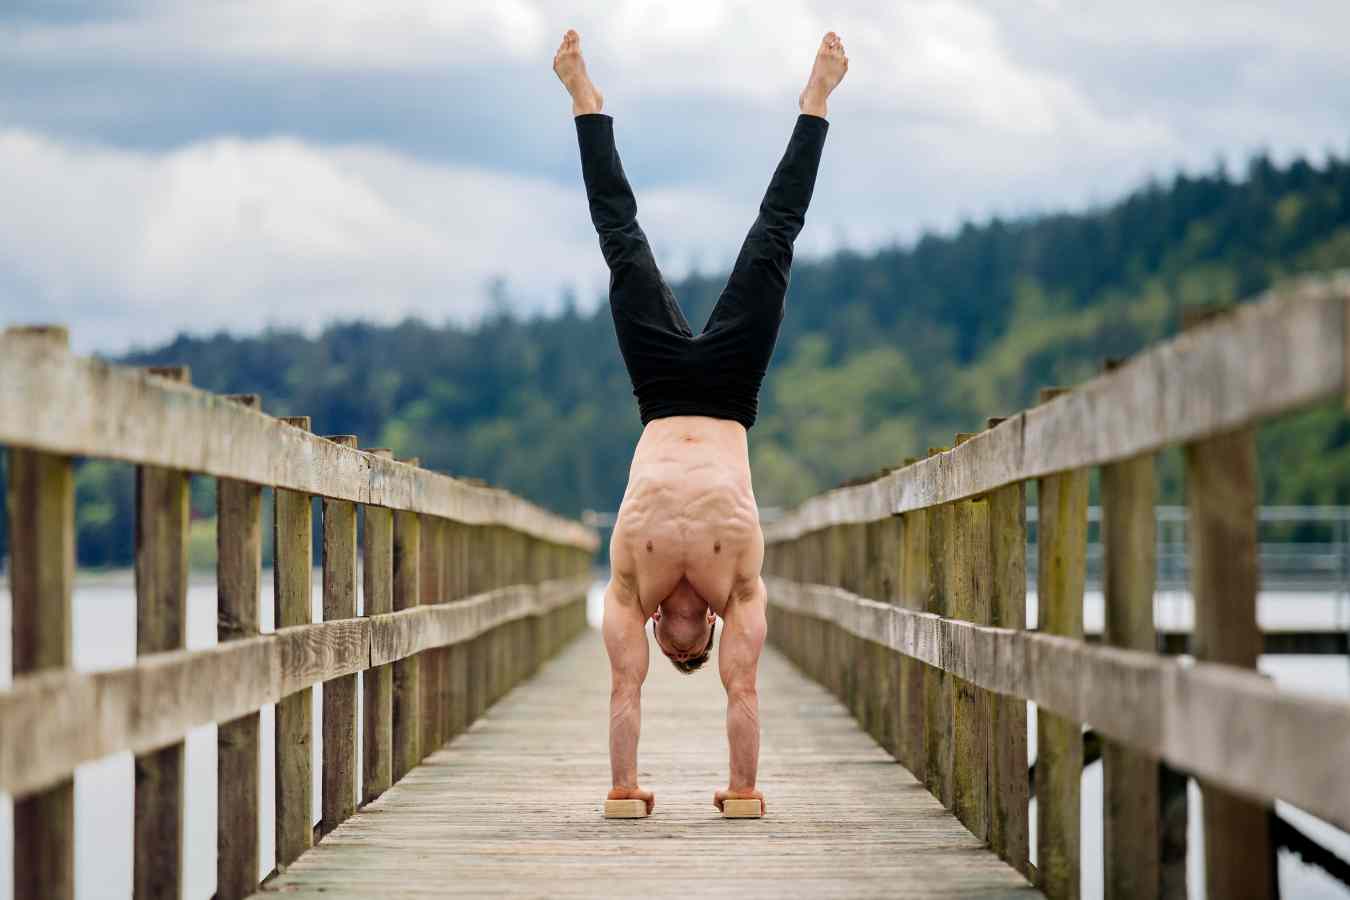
(907, 596)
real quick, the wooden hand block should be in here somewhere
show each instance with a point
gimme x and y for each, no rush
(742, 809)
(625, 809)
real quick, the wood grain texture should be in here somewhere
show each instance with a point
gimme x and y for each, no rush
(939, 695)
(239, 593)
(292, 577)
(339, 693)
(842, 821)
(161, 568)
(1130, 781)
(1221, 495)
(181, 427)
(377, 684)
(1284, 351)
(407, 690)
(972, 712)
(1009, 827)
(40, 503)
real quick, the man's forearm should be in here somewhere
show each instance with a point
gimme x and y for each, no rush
(625, 724)
(743, 738)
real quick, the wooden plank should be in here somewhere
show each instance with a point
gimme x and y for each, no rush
(432, 592)
(1130, 780)
(914, 596)
(377, 683)
(938, 695)
(339, 694)
(1283, 352)
(457, 655)
(1221, 493)
(292, 576)
(843, 821)
(885, 554)
(971, 725)
(40, 499)
(180, 427)
(52, 722)
(161, 567)
(742, 809)
(1009, 827)
(625, 809)
(1062, 546)
(407, 691)
(239, 592)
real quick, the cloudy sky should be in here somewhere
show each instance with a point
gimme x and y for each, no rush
(238, 163)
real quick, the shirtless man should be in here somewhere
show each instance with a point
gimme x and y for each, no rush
(687, 546)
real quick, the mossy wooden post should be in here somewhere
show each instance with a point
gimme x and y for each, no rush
(432, 592)
(40, 502)
(161, 624)
(377, 684)
(1130, 804)
(937, 694)
(884, 543)
(407, 701)
(457, 655)
(969, 601)
(239, 593)
(1009, 786)
(1221, 493)
(339, 694)
(292, 569)
(1062, 549)
(913, 595)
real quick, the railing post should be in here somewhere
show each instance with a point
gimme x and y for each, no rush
(938, 695)
(457, 655)
(40, 498)
(292, 571)
(407, 593)
(884, 548)
(1221, 492)
(1062, 549)
(1009, 785)
(969, 601)
(161, 624)
(339, 694)
(475, 649)
(433, 592)
(913, 674)
(377, 684)
(1130, 803)
(239, 590)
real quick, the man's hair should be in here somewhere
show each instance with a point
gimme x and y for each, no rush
(694, 663)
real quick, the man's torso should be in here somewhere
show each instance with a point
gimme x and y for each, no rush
(689, 514)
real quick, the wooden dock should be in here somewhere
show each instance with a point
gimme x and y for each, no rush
(512, 806)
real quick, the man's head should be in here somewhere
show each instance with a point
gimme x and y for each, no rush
(684, 627)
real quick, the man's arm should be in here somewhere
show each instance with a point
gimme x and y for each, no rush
(626, 643)
(742, 641)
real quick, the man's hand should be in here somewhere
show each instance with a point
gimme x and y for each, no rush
(636, 793)
(722, 796)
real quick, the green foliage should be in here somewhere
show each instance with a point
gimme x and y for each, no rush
(880, 355)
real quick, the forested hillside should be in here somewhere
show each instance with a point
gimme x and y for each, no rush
(881, 355)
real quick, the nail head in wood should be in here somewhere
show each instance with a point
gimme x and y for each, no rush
(171, 373)
(625, 809)
(742, 809)
(252, 401)
(995, 421)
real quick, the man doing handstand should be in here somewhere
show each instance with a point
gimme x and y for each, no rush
(687, 545)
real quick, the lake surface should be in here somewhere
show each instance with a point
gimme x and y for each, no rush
(105, 637)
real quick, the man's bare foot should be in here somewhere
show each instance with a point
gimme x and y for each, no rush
(571, 71)
(828, 71)
(633, 793)
(722, 796)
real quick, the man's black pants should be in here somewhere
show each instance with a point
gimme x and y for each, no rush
(719, 371)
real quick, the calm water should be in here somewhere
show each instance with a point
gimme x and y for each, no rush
(105, 637)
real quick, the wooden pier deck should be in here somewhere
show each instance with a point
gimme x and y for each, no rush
(512, 806)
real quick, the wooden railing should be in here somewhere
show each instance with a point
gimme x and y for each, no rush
(906, 595)
(466, 590)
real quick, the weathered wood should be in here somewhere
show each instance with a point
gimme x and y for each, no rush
(180, 427)
(339, 694)
(457, 656)
(40, 499)
(432, 592)
(239, 587)
(1062, 547)
(1221, 493)
(1280, 353)
(885, 554)
(52, 722)
(914, 596)
(292, 577)
(1009, 790)
(377, 684)
(742, 809)
(407, 686)
(161, 566)
(971, 724)
(853, 827)
(625, 809)
(1130, 806)
(938, 696)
